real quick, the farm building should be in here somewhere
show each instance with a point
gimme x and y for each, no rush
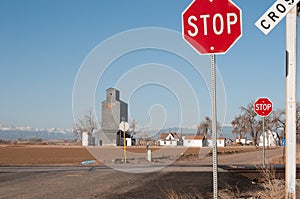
(194, 141)
(130, 141)
(271, 139)
(169, 139)
(242, 140)
(113, 112)
(221, 142)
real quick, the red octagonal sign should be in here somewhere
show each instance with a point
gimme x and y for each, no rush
(263, 106)
(212, 26)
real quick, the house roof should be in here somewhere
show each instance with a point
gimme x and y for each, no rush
(194, 137)
(163, 136)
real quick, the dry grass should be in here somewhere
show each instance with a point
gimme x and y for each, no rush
(230, 192)
(272, 187)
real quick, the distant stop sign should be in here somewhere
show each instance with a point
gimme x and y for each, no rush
(263, 107)
(212, 26)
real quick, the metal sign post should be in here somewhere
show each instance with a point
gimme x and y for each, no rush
(124, 126)
(264, 141)
(216, 38)
(263, 107)
(124, 138)
(214, 124)
(291, 46)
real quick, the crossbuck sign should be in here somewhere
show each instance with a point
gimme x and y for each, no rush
(274, 14)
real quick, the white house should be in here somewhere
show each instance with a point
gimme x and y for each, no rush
(85, 139)
(168, 139)
(271, 139)
(221, 142)
(242, 140)
(228, 142)
(129, 141)
(194, 141)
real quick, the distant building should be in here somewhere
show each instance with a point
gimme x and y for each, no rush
(271, 139)
(169, 139)
(130, 141)
(113, 112)
(194, 141)
(242, 140)
(228, 142)
(221, 142)
(85, 139)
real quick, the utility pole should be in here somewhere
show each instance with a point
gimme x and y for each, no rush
(291, 66)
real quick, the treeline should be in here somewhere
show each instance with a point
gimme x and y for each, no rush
(20, 140)
(247, 122)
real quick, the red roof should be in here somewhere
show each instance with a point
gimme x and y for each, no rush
(194, 137)
(163, 136)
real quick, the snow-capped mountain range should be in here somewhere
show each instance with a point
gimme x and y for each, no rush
(12, 132)
(28, 128)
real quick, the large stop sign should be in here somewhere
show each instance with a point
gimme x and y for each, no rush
(212, 26)
(263, 106)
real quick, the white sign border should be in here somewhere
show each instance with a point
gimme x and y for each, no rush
(288, 5)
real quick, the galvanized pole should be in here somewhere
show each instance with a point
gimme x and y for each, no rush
(214, 125)
(124, 139)
(264, 140)
(291, 65)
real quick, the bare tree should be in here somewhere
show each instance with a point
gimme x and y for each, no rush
(239, 126)
(132, 126)
(198, 130)
(205, 127)
(87, 124)
(248, 122)
(252, 125)
(277, 121)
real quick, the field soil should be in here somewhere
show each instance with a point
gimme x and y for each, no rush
(74, 155)
(42, 155)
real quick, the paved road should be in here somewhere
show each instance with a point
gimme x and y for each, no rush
(79, 182)
(105, 182)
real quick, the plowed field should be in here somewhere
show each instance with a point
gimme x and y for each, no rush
(74, 155)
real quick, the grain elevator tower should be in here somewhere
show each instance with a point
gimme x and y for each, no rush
(113, 112)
